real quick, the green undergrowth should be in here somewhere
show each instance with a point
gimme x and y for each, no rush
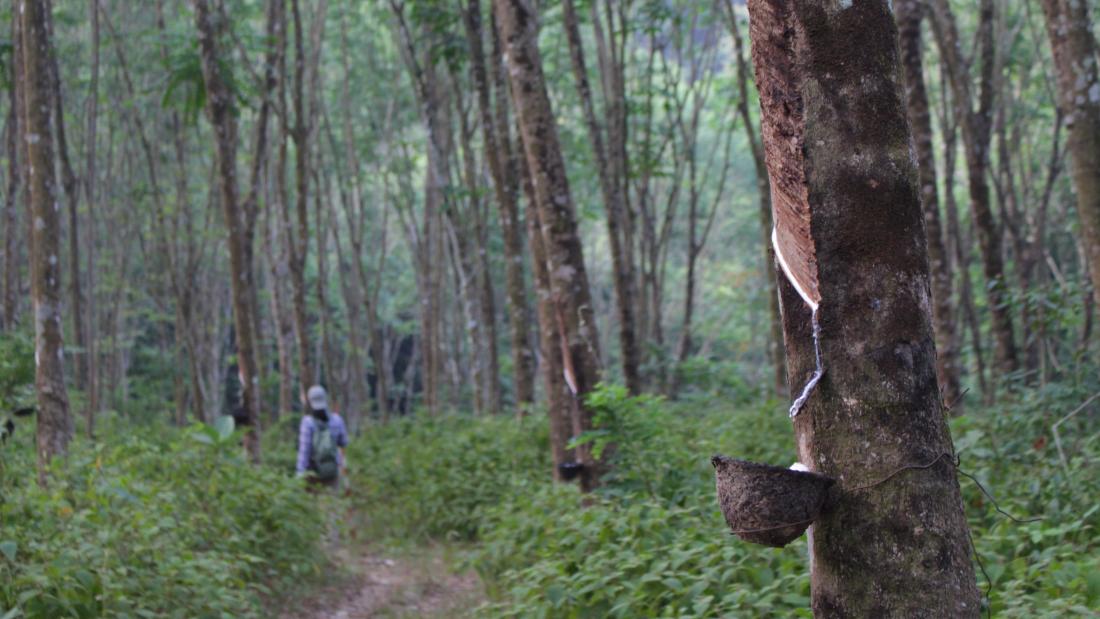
(652, 542)
(156, 523)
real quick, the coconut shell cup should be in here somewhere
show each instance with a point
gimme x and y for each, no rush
(768, 505)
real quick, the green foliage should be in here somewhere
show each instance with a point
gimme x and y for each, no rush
(16, 371)
(652, 543)
(431, 478)
(161, 524)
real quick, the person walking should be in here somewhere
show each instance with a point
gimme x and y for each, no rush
(322, 437)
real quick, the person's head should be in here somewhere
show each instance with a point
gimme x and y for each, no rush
(317, 399)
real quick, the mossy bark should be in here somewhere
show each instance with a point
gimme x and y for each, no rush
(836, 138)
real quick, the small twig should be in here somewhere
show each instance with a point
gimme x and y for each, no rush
(957, 399)
(1058, 438)
(994, 502)
(904, 468)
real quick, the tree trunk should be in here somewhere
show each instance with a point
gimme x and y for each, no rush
(91, 356)
(775, 338)
(518, 26)
(976, 140)
(909, 14)
(1075, 57)
(501, 159)
(298, 240)
(850, 237)
(55, 426)
(72, 196)
(220, 110)
(12, 262)
(559, 402)
(613, 189)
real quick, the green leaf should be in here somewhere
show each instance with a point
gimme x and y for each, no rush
(225, 426)
(9, 548)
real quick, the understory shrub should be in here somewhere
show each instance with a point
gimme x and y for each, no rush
(652, 542)
(162, 524)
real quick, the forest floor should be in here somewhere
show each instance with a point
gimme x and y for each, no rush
(370, 580)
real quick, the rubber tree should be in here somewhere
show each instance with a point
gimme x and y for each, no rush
(517, 23)
(1075, 57)
(856, 305)
(55, 424)
(909, 16)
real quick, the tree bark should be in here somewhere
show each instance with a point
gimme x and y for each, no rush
(775, 339)
(90, 189)
(976, 141)
(611, 176)
(1075, 57)
(55, 426)
(298, 240)
(72, 197)
(559, 401)
(500, 156)
(12, 261)
(518, 27)
(909, 15)
(851, 235)
(219, 109)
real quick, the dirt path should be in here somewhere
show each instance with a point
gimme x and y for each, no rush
(419, 583)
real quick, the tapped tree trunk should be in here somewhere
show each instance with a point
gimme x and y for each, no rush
(572, 301)
(55, 425)
(1075, 57)
(850, 238)
(909, 14)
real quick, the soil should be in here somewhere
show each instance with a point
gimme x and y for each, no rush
(389, 583)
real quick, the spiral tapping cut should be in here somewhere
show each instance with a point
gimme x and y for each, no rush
(819, 368)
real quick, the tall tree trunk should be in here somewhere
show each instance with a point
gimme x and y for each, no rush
(559, 401)
(887, 545)
(1075, 57)
(72, 197)
(501, 159)
(611, 173)
(12, 262)
(518, 26)
(976, 141)
(55, 426)
(92, 354)
(219, 108)
(909, 14)
(775, 338)
(298, 240)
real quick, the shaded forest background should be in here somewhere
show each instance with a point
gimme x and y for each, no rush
(254, 196)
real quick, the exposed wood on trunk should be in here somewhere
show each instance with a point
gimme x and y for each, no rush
(837, 149)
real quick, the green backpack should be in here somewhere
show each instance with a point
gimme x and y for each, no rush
(325, 460)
